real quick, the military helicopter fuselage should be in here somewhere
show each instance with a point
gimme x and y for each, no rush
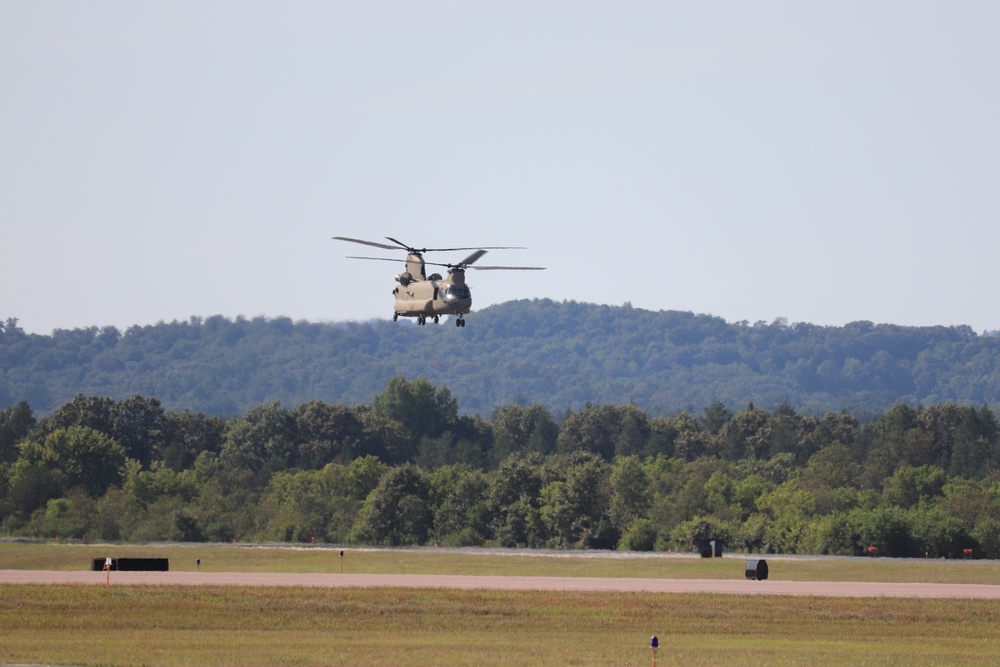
(430, 296)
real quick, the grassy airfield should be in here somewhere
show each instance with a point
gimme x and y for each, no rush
(157, 625)
(324, 559)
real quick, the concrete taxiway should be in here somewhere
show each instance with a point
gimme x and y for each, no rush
(721, 586)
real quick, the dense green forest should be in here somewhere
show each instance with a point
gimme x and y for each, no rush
(410, 468)
(559, 355)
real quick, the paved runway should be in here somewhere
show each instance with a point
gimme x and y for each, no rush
(726, 586)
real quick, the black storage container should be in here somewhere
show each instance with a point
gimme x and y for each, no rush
(132, 564)
(757, 569)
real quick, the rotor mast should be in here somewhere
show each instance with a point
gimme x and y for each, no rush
(415, 266)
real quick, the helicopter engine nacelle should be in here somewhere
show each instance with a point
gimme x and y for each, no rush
(404, 278)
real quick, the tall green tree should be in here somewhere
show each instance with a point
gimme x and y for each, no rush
(605, 430)
(138, 423)
(418, 406)
(715, 416)
(887, 529)
(462, 518)
(574, 508)
(831, 467)
(691, 441)
(16, 423)
(397, 512)
(384, 438)
(630, 493)
(327, 432)
(522, 429)
(262, 441)
(188, 434)
(747, 435)
(96, 412)
(68, 458)
(512, 502)
(910, 485)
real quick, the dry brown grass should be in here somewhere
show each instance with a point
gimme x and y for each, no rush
(151, 625)
(87, 625)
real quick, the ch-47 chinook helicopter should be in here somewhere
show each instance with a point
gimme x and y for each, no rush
(421, 296)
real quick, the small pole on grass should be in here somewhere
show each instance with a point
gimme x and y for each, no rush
(654, 644)
(341, 561)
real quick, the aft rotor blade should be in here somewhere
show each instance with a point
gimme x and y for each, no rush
(374, 244)
(472, 258)
(476, 255)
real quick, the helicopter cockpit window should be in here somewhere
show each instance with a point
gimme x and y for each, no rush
(458, 292)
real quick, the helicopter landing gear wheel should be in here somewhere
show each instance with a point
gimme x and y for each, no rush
(460, 322)
(435, 319)
(395, 316)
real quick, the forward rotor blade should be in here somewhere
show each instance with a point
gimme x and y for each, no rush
(384, 246)
(377, 259)
(423, 250)
(403, 245)
(464, 264)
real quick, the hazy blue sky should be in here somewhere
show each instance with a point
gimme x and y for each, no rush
(825, 162)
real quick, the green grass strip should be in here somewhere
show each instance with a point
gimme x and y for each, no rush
(244, 558)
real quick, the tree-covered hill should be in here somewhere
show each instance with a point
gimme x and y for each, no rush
(560, 355)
